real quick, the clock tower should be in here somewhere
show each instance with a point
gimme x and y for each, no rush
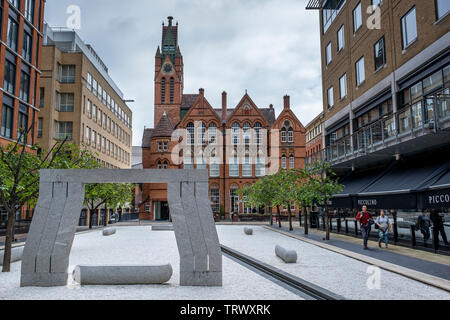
(168, 75)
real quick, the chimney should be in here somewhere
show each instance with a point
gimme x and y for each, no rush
(170, 20)
(201, 91)
(224, 105)
(287, 102)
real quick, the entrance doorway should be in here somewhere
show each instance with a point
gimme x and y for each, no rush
(162, 211)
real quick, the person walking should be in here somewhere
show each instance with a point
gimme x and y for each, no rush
(438, 227)
(424, 224)
(383, 225)
(364, 218)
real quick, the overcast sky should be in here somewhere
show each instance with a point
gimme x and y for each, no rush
(269, 47)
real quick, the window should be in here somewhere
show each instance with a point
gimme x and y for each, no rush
(22, 123)
(212, 134)
(432, 82)
(409, 28)
(247, 167)
(260, 168)
(442, 8)
(7, 121)
(290, 135)
(330, 98)
(147, 207)
(283, 162)
(201, 134)
(163, 90)
(68, 74)
(15, 3)
(328, 54)
(89, 82)
(380, 54)
(201, 163)
(9, 83)
(11, 39)
(343, 86)
(291, 162)
(165, 146)
(94, 87)
(40, 127)
(376, 3)
(247, 135)
(215, 198)
(190, 134)
(214, 168)
(63, 130)
(24, 92)
(357, 18)
(340, 39)
(283, 135)
(104, 97)
(234, 167)
(236, 129)
(328, 15)
(88, 135)
(27, 46)
(171, 90)
(66, 103)
(360, 73)
(41, 97)
(188, 163)
(29, 10)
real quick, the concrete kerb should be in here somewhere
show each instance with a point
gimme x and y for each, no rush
(433, 281)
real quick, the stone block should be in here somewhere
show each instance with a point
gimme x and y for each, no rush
(162, 228)
(109, 232)
(288, 256)
(16, 255)
(248, 231)
(122, 275)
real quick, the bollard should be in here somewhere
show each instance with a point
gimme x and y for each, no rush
(248, 231)
(288, 256)
(356, 228)
(413, 235)
(346, 226)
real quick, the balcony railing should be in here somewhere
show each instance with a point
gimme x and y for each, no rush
(426, 116)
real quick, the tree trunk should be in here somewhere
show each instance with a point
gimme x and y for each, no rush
(300, 217)
(327, 223)
(105, 223)
(271, 215)
(279, 216)
(8, 241)
(306, 220)
(91, 216)
(290, 218)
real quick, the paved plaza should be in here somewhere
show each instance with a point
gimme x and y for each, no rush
(332, 271)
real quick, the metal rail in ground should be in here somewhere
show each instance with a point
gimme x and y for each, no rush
(311, 290)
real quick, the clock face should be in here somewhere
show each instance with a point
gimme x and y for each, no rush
(167, 67)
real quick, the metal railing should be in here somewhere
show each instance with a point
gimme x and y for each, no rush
(422, 117)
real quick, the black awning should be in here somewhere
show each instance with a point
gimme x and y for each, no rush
(406, 201)
(437, 195)
(342, 202)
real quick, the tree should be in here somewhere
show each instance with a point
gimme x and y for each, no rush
(19, 177)
(111, 195)
(326, 186)
(288, 189)
(306, 194)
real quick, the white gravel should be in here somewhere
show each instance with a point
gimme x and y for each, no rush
(142, 246)
(337, 273)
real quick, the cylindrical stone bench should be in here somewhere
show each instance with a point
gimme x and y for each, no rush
(16, 255)
(122, 275)
(248, 231)
(109, 232)
(288, 256)
(162, 228)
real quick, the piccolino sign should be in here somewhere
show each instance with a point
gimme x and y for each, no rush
(367, 202)
(443, 198)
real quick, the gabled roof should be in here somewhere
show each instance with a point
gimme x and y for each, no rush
(164, 128)
(268, 113)
(147, 137)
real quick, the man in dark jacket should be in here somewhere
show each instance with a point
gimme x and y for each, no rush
(438, 227)
(424, 224)
(364, 218)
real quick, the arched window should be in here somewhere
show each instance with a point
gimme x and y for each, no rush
(234, 199)
(287, 132)
(247, 134)
(201, 134)
(171, 89)
(236, 129)
(283, 161)
(291, 162)
(212, 133)
(163, 90)
(159, 165)
(190, 134)
(290, 135)
(165, 165)
(258, 132)
(283, 135)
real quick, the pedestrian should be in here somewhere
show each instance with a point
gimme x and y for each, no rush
(438, 227)
(383, 225)
(365, 219)
(424, 224)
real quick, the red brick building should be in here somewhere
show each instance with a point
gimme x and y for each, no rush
(237, 145)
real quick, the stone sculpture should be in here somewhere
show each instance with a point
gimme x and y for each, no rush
(46, 254)
(248, 231)
(288, 256)
(109, 232)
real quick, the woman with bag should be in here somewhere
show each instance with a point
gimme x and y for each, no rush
(383, 225)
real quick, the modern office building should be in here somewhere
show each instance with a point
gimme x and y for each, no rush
(237, 145)
(79, 101)
(386, 79)
(21, 29)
